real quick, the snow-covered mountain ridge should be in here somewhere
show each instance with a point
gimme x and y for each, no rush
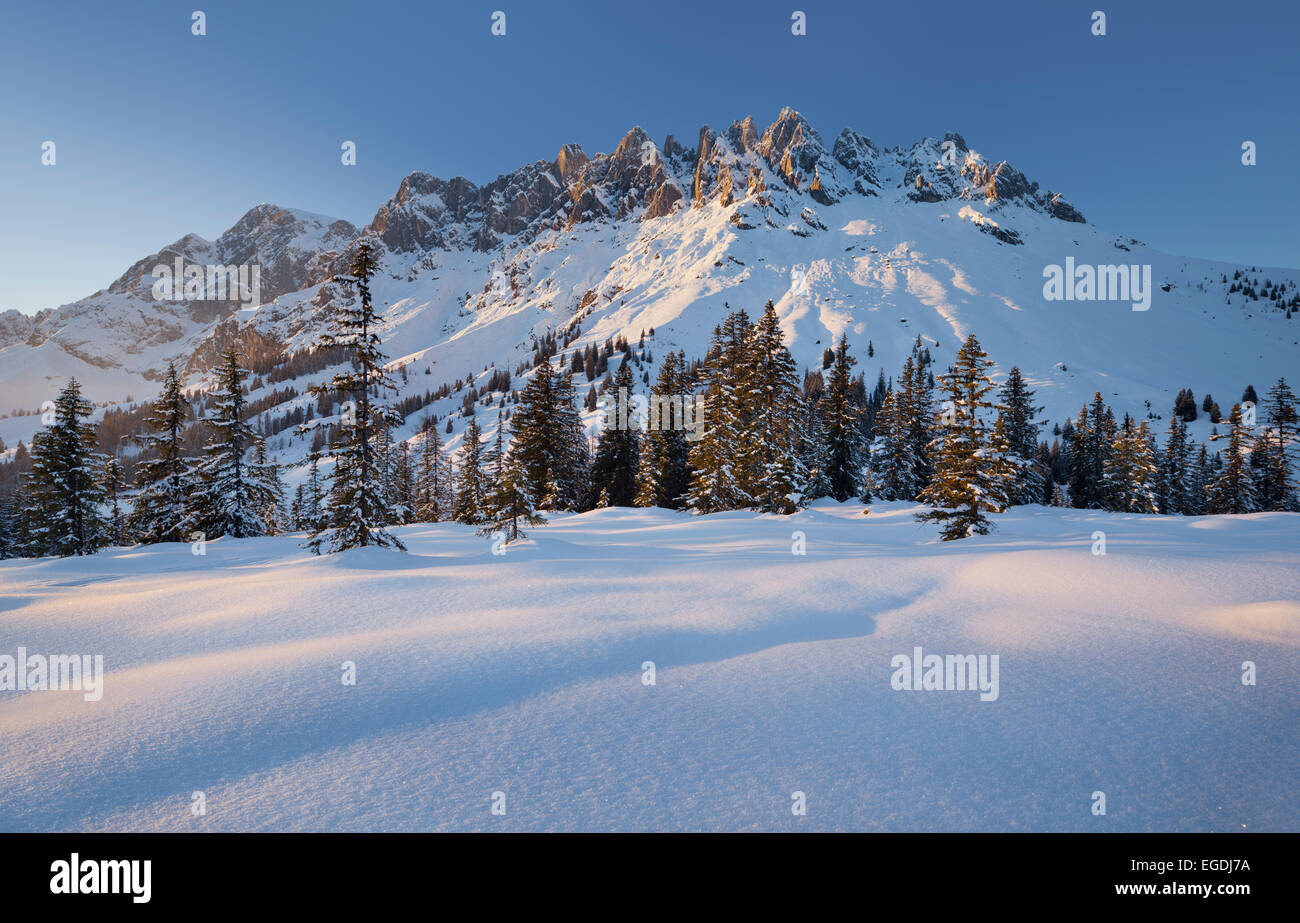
(882, 245)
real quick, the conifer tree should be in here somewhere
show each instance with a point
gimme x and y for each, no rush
(778, 411)
(1198, 484)
(473, 500)
(1233, 489)
(971, 474)
(893, 473)
(614, 467)
(663, 473)
(359, 507)
(434, 482)
(1016, 404)
(163, 503)
(10, 544)
(234, 495)
(720, 460)
(114, 481)
(842, 450)
(314, 498)
(1275, 446)
(1130, 471)
(512, 506)
(917, 406)
(1174, 476)
(63, 488)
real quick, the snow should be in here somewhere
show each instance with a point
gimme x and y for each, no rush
(522, 673)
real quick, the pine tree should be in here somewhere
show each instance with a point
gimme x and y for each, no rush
(1276, 482)
(314, 499)
(1130, 471)
(433, 483)
(720, 460)
(893, 470)
(842, 448)
(1233, 490)
(1016, 404)
(614, 468)
(359, 506)
(778, 411)
(917, 407)
(10, 542)
(971, 474)
(512, 505)
(114, 481)
(473, 500)
(1198, 484)
(63, 487)
(163, 504)
(663, 472)
(1174, 476)
(234, 495)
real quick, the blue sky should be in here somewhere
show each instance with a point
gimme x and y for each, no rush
(160, 133)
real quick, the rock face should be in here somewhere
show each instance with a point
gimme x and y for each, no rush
(782, 176)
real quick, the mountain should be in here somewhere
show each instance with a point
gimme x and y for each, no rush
(880, 244)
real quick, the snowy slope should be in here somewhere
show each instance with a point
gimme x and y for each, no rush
(522, 674)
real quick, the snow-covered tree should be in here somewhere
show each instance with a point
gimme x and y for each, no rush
(1130, 471)
(972, 476)
(1233, 489)
(473, 484)
(1173, 476)
(63, 489)
(614, 467)
(893, 470)
(777, 405)
(842, 450)
(720, 458)
(235, 494)
(434, 492)
(359, 507)
(114, 481)
(1016, 404)
(163, 502)
(1275, 446)
(663, 472)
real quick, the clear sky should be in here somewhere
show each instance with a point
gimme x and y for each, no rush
(160, 133)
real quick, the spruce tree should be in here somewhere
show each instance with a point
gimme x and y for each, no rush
(842, 449)
(971, 474)
(663, 472)
(473, 499)
(234, 493)
(1174, 476)
(359, 507)
(1130, 471)
(512, 505)
(1275, 445)
(114, 481)
(1016, 404)
(163, 504)
(614, 467)
(893, 471)
(433, 482)
(63, 487)
(721, 459)
(778, 415)
(1233, 489)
